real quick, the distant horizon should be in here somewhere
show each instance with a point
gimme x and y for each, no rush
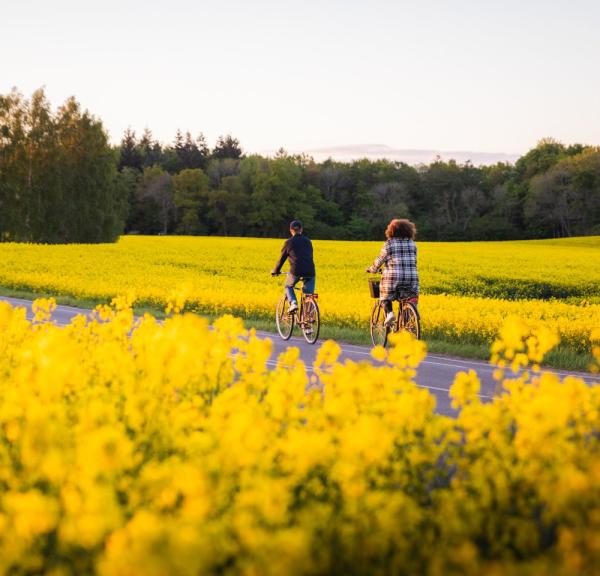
(411, 156)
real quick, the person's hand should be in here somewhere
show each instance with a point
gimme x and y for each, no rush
(368, 271)
(274, 273)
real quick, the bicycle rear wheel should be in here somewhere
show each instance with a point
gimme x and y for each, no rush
(409, 320)
(379, 331)
(283, 319)
(311, 320)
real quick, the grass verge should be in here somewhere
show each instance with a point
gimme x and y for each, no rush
(560, 357)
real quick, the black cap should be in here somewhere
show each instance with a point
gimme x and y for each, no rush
(295, 225)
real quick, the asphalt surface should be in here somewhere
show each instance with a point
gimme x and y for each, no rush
(436, 372)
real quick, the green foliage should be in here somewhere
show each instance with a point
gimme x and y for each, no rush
(191, 200)
(61, 182)
(192, 154)
(227, 147)
(551, 191)
(57, 174)
(447, 200)
(130, 156)
(227, 206)
(566, 198)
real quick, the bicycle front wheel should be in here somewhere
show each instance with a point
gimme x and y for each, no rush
(283, 318)
(311, 323)
(379, 331)
(409, 320)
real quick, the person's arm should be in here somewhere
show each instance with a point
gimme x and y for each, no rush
(282, 259)
(380, 260)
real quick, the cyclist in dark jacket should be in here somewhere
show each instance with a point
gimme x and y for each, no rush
(298, 250)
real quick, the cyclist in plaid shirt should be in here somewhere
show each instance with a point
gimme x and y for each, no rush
(399, 256)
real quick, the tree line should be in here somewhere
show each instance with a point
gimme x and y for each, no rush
(58, 174)
(62, 181)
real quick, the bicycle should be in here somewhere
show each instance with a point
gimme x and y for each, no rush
(307, 316)
(407, 318)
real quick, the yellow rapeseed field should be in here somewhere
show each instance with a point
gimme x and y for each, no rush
(468, 289)
(132, 447)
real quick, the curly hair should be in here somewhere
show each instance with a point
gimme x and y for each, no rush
(401, 229)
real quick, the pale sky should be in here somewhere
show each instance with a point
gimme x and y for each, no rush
(452, 75)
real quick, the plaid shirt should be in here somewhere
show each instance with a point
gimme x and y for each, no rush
(400, 278)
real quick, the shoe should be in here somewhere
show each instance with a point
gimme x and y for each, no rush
(293, 307)
(389, 319)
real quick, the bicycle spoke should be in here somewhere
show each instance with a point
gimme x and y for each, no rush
(310, 320)
(283, 319)
(379, 331)
(409, 320)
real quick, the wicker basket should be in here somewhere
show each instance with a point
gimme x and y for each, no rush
(374, 287)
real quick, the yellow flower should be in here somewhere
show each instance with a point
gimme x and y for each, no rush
(135, 446)
(465, 389)
(32, 513)
(42, 309)
(327, 355)
(595, 339)
(406, 351)
(379, 353)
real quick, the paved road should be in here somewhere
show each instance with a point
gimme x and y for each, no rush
(436, 373)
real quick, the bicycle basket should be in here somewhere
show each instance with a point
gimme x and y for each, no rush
(374, 287)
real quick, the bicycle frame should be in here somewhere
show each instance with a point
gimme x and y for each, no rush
(309, 322)
(407, 319)
(303, 297)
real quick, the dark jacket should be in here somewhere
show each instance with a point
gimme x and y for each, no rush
(298, 249)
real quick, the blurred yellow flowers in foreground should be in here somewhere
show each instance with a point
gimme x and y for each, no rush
(133, 447)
